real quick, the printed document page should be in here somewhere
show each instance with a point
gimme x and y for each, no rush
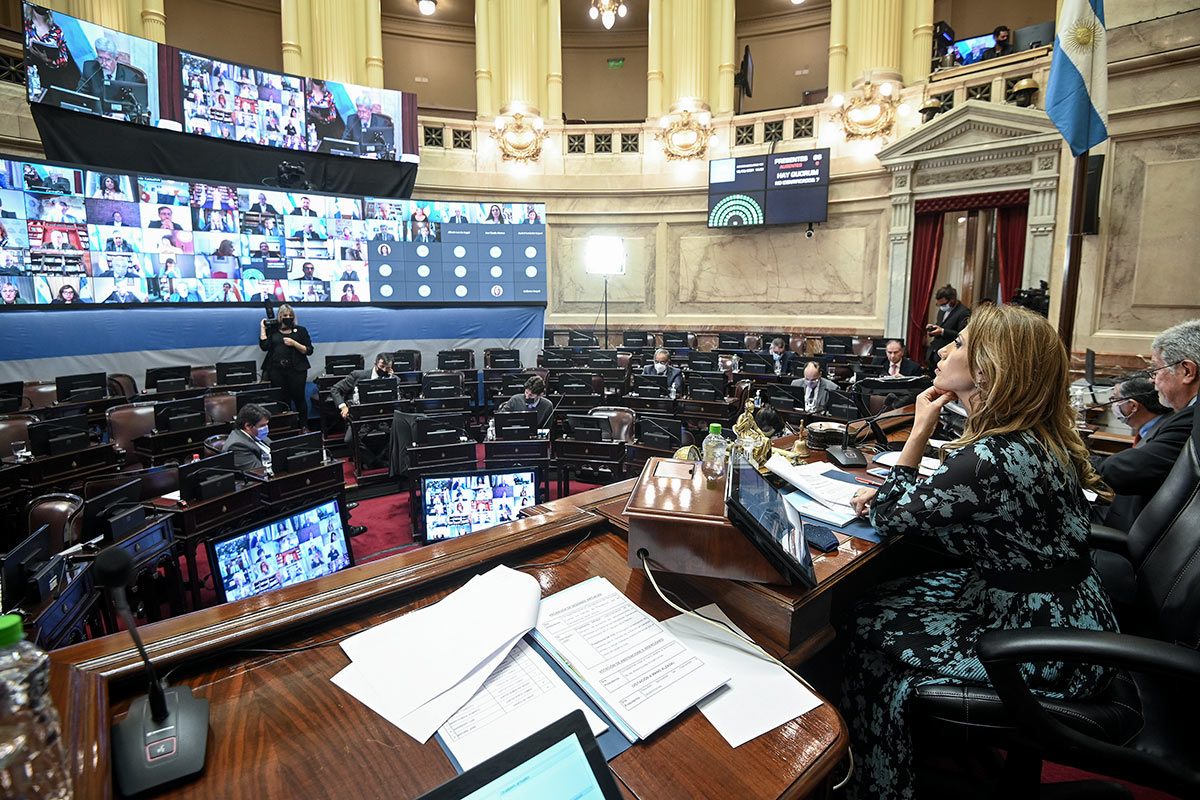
(637, 671)
(814, 480)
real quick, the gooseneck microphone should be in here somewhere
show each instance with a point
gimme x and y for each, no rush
(164, 737)
(847, 455)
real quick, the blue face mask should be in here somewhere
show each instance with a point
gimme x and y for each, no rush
(261, 433)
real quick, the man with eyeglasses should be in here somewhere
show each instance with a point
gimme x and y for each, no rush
(1135, 402)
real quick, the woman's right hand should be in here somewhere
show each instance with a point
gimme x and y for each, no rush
(861, 502)
(928, 410)
(262, 328)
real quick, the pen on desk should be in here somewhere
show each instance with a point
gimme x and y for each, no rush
(869, 482)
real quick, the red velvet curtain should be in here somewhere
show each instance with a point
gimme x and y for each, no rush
(927, 246)
(1010, 242)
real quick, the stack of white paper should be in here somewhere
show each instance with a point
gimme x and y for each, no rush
(889, 459)
(815, 481)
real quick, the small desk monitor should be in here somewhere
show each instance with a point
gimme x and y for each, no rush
(457, 503)
(168, 379)
(561, 760)
(771, 523)
(558, 359)
(115, 512)
(179, 415)
(704, 362)
(20, 564)
(756, 363)
(340, 147)
(638, 339)
(232, 373)
(602, 359)
(272, 399)
(72, 100)
(12, 396)
(441, 385)
(454, 359)
(650, 385)
(677, 340)
(588, 428)
(505, 359)
(296, 453)
(378, 390)
(576, 383)
(440, 429)
(208, 477)
(837, 345)
(581, 339)
(404, 361)
(343, 364)
(706, 387)
(85, 386)
(285, 551)
(1033, 36)
(512, 425)
(513, 383)
(666, 434)
(728, 340)
(54, 437)
(785, 398)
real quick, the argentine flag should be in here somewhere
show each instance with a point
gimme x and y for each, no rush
(1077, 97)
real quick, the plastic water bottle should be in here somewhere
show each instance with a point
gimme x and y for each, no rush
(33, 765)
(714, 449)
(266, 460)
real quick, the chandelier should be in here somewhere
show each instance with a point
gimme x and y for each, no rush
(607, 11)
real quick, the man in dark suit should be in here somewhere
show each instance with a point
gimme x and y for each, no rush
(263, 207)
(458, 217)
(383, 234)
(306, 234)
(367, 127)
(780, 356)
(103, 69)
(817, 390)
(952, 317)
(662, 366)
(1135, 474)
(531, 399)
(117, 244)
(249, 440)
(345, 391)
(895, 363)
(303, 209)
(165, 220)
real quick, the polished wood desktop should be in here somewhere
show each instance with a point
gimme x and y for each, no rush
(179, 446)
(62, 472)
(280, 728)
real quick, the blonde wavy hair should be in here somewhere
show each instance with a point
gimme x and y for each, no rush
(1024, 376)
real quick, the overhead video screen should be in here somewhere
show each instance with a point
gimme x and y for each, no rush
(243, 104)
(776, 189)
(71, 235)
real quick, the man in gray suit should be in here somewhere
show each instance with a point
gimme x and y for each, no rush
(1138, 406)
(248, 440)
(817, 390)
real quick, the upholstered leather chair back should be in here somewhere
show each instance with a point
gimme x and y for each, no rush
(153, 482)
(14, 428)
(620, 421)
(220, 406)
(1164, 546)
(215, 444)
(121, 384)
(63, 513)
(41, 394)
(754, 342)
(128, 422)
(414, 354)
(204, 376)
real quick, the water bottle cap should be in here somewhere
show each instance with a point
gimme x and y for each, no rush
(11, 629)
(714, 428)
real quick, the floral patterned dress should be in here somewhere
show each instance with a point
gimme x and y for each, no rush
(1019, 516)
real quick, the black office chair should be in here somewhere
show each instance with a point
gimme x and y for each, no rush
(1141, 727)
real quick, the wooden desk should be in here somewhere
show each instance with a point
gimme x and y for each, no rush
(569, 453)
(704, 412)
(281, 493)
(271, 735)
(48, 473)
(94, 409)
(520, 453)
(162, 446)
(1107, 444)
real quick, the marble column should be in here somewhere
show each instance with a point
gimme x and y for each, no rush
(654, 62)
(373, 44)
(519, 52)
(900, 252)
(554, 74)
(838, 47)
(724, 57)
(484, 107)
(154, 21)
(112, 14)
(1043, 210)
(333, 33)
(920, 44)
(689, 22)
(293, 15)
(874, 40)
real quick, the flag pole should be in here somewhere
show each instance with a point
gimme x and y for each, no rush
(1070, 276)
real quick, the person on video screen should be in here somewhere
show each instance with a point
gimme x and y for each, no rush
(323, 116)
(47, 48)
(366, 127)
(104, 68)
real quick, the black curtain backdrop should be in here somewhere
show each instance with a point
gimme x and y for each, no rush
(84, 139)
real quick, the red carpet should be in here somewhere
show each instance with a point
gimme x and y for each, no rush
(1057, 773)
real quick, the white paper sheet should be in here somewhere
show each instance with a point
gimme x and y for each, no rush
(889, 459)
(521, 697)
(760, 695)
(813, 479)
(818, 511)
(628, 662)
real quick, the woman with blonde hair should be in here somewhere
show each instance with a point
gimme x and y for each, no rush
(288, 347)
(1008, 499)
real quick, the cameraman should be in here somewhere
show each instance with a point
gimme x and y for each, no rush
(952, 317)
(288, 347)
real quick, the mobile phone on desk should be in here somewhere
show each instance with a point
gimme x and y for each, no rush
(820, 537)
(879, 472)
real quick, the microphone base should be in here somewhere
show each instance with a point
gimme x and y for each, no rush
(847, 456)
(147, 754)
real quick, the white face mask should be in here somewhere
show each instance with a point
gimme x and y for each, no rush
(660, 367)
(1119, 414)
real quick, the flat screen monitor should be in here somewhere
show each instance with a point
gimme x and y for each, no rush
(513, 383)
(101, 512)
(378, 390)
(771, 523)
(637, 339)
(666, 434)
(602, 359)
(677, 340)
(774, 189)
(650, 385)
(232, 373)
(506, 359)
(589, 428)
(1032, 36)
(558, 359)
(561, 760)
(343, 364)
(972, 50)
(512, 425)
(454, 359)
(704, 362)
(757, 363)
(706, 387)
(57, 436)
(286, 551)
(12, 395)
(272, 400)
(19, 565)
(459, 503)
(440, 429)
(581, 339)
(85, 386)
(297, 452)
(441, 385)
(836, 345)
(576, 383)
(208, 477)
(728, 340)
(179, 415)
(785, 398)
(168, 379)
(404, 361)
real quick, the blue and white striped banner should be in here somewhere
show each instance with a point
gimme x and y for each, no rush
(1077, 94)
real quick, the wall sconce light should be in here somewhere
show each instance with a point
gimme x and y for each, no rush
(685, 131)
(870, 112)
(1024, 91)
(520, 134)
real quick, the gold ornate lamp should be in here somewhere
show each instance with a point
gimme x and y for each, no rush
(607, 11)
(685, 131)
(869, 112)
(520, 134)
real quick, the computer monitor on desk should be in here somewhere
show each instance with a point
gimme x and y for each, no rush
(404, 361)
(771, 523)
(706, 386)
(457, 503)
(602, 359)
(454, 359)
(558, 359)
(576, 383)
(72, 100)
(512, 425)
(20, 565)
(207, 478)
(666, 434)
(340, 147)
(637, 339)
(272, 399)
(232, 373)
(581, 339)
(677, 340)
(168, 379)
(343, 364)
(54, 437)
(12, 396)
(756, 363)
(378, 390)
(440, 429)
(513, 383)
(84, 386)
(296, 453)
(115, 513)
(728, 340)
(589, 429)
(179, 415)
(441, 385)
(650, 385)
(704, 362)
(505, 359)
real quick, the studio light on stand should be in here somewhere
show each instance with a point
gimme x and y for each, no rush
(604, 255)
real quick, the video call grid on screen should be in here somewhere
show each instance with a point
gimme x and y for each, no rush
(72, 234)
(775, 189)
(79, 66)
(455, 506)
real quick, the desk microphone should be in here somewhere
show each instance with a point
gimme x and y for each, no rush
(848, 455)
(164, 736)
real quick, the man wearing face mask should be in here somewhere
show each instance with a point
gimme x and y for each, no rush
(1138, 406)
(532, 399)
(952, 317)
(345, 391)
(818, 391)
(781, 357)
(249, 440)
(662, 366)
